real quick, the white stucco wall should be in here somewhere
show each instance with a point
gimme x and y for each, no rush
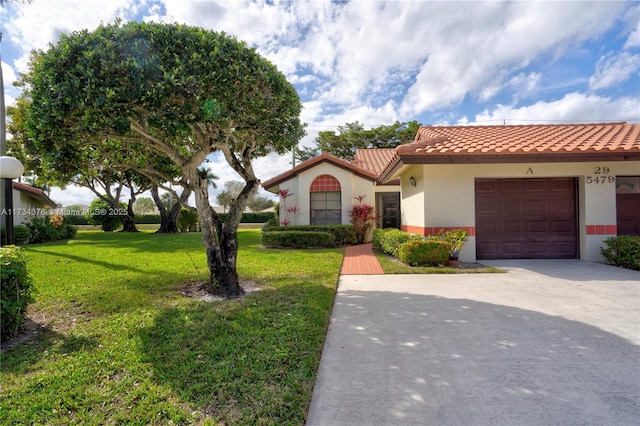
(449, 199)
(351, 186)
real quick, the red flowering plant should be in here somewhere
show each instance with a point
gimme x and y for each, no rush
(362, 218)
(284, 193)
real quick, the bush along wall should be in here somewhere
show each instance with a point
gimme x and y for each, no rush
(623, 251)
(16, 290)
(343, 234)
(424, 253)
(41, 230)
(298, 239)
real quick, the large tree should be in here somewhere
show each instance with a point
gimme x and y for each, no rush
(353, 136)
(174, 90)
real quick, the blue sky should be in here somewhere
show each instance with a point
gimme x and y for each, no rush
(437, 62)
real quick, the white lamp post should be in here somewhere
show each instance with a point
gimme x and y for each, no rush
(10, 168)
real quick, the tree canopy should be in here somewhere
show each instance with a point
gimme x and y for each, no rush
(353, 136)
(174, 91)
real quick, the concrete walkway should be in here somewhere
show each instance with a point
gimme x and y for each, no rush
(548, 342)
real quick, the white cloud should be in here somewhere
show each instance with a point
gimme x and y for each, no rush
(632, 20)
(573, 107)
(613, 69)
(72, 194)
(472, 51)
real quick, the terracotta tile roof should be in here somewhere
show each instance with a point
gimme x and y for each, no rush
(522, 143)
(272, 184)
(35, 193)
(557, 138)
(374, 160)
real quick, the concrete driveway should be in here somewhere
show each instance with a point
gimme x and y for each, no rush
(548, 342)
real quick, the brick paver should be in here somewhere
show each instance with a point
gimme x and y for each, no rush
(360, 260)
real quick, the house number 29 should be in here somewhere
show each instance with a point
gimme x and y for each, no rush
(601, 176)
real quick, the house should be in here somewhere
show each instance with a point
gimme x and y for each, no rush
(28, 202)
(521, 192)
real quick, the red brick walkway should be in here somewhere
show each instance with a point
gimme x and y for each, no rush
(360, 260)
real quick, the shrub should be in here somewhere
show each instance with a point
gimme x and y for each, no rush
(393, 238)
(16, 288)
(75, 219)
(343, 234)
(270, 224)
(42, 230)
(21, 234)
(424, 252)
(147, 219)
(188, 220)
(298, 239)
(247, 217)
(102, 214)
(378, 236)
(623, 251)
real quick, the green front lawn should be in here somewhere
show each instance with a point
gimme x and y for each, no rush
(123, 345)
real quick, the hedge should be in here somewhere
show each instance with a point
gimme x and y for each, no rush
(623, 251)
(390, 239)
(16, 288)
(145, 219)
(343, 234)
(424, 252)
(298, 239)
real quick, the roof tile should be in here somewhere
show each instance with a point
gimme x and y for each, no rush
(539, 138)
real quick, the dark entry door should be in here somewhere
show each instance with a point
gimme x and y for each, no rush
(628, 205)
(526, 218)
(388, 209)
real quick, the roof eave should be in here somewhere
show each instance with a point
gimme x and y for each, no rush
(322, 158)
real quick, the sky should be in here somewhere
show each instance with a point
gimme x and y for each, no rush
(377, 62)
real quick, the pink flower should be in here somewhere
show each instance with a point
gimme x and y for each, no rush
(284, 193)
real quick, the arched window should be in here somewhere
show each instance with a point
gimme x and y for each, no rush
(326, 201)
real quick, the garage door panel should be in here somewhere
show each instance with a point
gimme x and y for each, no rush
(511, 206)
(537, 227)
(535, 207)
(563, 227)
(508, 185)
(486, 186)
(561, 185)
(487, 207)
(511, 227)
(535, 185)
(537, 248)
(537, 221)
(561, 206)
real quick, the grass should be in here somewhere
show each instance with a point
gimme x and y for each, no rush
(124, 346)
(391, 265)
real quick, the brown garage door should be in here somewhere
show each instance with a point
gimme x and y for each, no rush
(526, 218)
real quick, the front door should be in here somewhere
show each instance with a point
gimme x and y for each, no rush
(388, 209)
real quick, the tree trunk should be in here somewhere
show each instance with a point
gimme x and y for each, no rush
(221, 245)
(128, 220)
(167, 226)
(169, 218)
